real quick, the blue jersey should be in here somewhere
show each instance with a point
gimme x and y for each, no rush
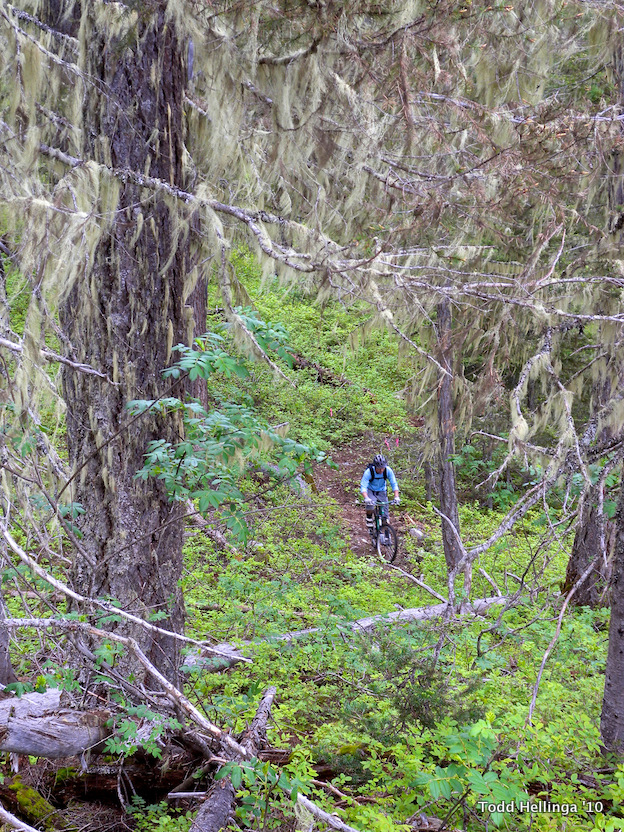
(378, 482)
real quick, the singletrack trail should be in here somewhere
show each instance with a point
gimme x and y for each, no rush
(343, 485)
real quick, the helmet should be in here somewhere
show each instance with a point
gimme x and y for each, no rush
(380, 461)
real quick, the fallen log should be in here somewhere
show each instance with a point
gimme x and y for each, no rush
(37, 725)
(229, 654)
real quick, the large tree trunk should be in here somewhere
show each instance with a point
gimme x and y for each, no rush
(446, 439)
(124, 319)
(612, 719)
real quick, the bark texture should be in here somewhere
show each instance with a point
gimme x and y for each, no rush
(612, 718)
(124, 320)
(37, 725)
(590, 539)
(446, 443)
(586, 546)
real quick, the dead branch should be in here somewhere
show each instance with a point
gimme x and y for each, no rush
(175, 695)
(555, 637)
(7, 817)
(54, 357)
(215, 811)
(418, 582)
(97, 603)
(317, 812)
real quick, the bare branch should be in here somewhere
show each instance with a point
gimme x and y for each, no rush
(54, 357)
(418, 582)
(96, 602)
(555, 638)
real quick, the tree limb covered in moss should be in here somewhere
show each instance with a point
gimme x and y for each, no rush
(54, 357)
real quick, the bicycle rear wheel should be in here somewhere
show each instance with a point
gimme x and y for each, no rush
(387, 543)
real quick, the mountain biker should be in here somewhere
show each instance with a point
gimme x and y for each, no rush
(373, 489)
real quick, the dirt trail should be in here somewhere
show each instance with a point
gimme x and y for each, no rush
(343, 485)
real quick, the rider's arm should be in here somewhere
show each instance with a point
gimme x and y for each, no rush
(365, 482)
(393, 482)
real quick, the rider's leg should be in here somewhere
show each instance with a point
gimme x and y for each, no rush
(370, 517)
(382, 499)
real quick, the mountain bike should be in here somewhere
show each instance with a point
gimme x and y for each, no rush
(384, 536)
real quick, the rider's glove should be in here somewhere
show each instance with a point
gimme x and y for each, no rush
(397, 500)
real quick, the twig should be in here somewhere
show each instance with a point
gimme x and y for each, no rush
(554, 639)
(421, 584)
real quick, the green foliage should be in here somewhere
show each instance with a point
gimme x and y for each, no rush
(158, 817)
(138, 727)
(371, 710)
(337, 338)
(18, 294)
(256, 783)
(470, 774)
(207, 464)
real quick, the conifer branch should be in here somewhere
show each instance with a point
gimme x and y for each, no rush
(27, 18)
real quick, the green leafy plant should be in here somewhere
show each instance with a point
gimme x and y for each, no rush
(208, 463)
(138, 727)
(158, 817)
(257, 783)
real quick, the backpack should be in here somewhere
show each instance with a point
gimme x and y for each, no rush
(374, 473)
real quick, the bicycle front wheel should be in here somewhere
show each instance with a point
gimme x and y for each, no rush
(387, 543)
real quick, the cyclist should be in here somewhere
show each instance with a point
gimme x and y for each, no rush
(373, 488)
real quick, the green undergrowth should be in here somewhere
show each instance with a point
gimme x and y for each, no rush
(338, 338)
(396, 730)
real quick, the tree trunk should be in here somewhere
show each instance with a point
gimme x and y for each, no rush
(587, 544)
(446, 439)
(124, 319)
(589, 538)
(7, 674)
(431, 487)
(612, 719)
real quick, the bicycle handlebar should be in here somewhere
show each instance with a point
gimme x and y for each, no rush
(379, 502)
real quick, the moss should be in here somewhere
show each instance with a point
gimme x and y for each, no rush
(34, 807)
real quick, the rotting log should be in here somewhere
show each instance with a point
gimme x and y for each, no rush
(37, 725)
